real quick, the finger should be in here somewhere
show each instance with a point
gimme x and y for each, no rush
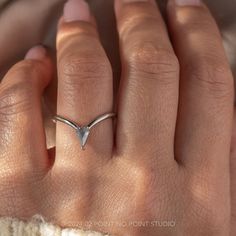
(22, 138)
(206, 90)
(149, 89)
(84, 87)
(233, 178)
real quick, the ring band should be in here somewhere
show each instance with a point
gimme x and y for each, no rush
(83, 131)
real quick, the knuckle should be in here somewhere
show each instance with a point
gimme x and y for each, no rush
(208, 208)
(204, 26)
(153, 63)
(154, 191)
(24, 70)
(146, 179)
(15, 98)
(145, 175)
(131, 24)
(212, 75)
(85, 33)
(209, 216)
(78, 70)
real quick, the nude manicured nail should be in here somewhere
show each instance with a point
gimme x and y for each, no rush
(188, 2)
(38, 53)
(76, 10)
(128, 1)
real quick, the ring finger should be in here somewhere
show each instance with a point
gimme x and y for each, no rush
(149, 89)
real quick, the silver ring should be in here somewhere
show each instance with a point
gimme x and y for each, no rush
(83, 131)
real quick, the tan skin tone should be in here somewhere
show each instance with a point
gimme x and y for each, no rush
(171, 152)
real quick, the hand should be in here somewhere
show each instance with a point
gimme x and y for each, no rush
(169, 160)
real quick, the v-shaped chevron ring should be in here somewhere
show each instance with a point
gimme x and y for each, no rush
(83, 131)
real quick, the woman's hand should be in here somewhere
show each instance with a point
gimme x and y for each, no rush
(169, 160)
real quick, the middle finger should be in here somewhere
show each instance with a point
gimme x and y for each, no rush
(84, 87)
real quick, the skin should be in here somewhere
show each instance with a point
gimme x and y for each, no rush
(173, 166)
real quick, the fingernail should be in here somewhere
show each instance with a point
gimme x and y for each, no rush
(37, 53)
(188, 2)
(76, 10)
(128, 1)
